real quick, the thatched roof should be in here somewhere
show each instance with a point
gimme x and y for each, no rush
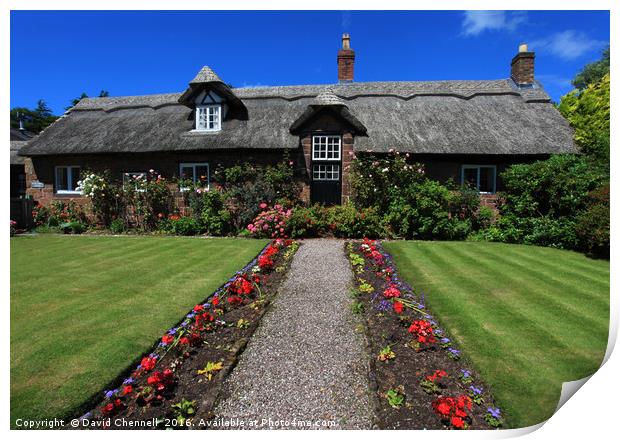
(15, 147)
(455, 117)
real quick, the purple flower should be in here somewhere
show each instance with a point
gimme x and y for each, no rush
(128, 381)
(384, 305)
(109, 394)
(86, 416)
(475, 390)
(466, 373)
(172, 331)
(191, 315)
(445, 340)
(495, 412)
(454, 351)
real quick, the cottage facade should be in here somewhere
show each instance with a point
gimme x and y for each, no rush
(467, 131)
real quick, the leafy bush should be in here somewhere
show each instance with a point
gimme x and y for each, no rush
(592, 224)
(376, 181)
(117, 226)
(346, 221)
(58, 212)
(149, 198)
(308, 221)
(106, 196)
(208, 207)
(422, 211)
(177, 225)
(73, 227)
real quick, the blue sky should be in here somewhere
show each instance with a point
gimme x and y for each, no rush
(56, 55)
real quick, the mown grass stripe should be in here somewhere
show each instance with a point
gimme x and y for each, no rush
(524, 366)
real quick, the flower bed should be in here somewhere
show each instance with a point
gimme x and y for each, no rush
(420, 379)
(180, 380)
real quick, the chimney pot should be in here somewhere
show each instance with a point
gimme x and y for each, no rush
(523, 47)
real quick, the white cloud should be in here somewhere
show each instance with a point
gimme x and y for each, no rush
(567, 45)
(345, 19)
(476, 22)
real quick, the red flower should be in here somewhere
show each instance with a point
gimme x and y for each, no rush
(148, 363)
(167, 339)
(128, 389)
(264, 262)
(184, 340)
(108, 408)
(457, 422)
(154, 379)
(233, 300)
(391, 292)
(398, 307)
(198, 307)
(424, 331)
(443, 409)
(215, 301)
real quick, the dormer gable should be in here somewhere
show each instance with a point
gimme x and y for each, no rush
(212, 101)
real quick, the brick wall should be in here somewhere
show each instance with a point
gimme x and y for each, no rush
(522, 68)
(41, 169)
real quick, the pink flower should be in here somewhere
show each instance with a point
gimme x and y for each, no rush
(262, 205)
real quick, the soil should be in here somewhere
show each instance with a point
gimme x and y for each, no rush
(223, 344)
(409, 367)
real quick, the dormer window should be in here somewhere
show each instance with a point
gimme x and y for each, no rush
(209, 117)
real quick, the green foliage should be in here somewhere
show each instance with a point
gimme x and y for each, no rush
(117, 226)
(395, 397)
(308, 221)
(545, 202)
(593, 72)
(592, 224)
(181, 226)
(357, 307)
(348, 222)
(106, 196)
(375, 181)
(209, 209)
(183, 410)
(588, 113)
(58, 212)
(74, 227)
(33, 120)
(422, 210)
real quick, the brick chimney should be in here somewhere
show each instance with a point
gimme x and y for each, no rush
(346, 59)
(522, 67)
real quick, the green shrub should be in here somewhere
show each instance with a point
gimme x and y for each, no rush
(74, 227)
(181, 226)
(308, 222)
(422, 211)
(592, 225)
(346, 221)
(106, 196)
(117, 226)
(209, 210)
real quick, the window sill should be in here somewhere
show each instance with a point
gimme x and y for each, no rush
(68, 193)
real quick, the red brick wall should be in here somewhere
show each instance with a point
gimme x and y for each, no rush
(522, 68)
(167, 164)
(346, 61)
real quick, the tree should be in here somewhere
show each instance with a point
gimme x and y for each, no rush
(588, 113)
(33, 120)
(593, 72)
(102, 94)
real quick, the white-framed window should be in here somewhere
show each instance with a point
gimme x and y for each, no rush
(66, 179)
(196, 172)
(209, 117)
(325, 172)
(326, 147)
(481, 177)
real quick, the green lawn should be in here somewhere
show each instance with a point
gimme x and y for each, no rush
(83, 307)
(528, 318)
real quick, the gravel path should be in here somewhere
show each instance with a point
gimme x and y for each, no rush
(307, 361)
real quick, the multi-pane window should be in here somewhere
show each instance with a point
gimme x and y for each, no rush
(326, 147)
(208, 117)
(198, 173)
(481, 177)
(66, 180)
(326, 172)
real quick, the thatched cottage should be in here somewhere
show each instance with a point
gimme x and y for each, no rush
(465, 130)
